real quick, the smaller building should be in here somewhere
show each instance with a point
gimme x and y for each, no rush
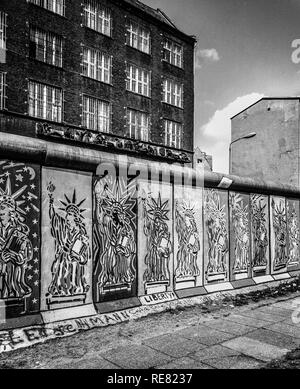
(273, 153)
(201, 158)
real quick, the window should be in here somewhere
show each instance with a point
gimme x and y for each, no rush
(97, 17)
(173, 134)
(3, 17)
(138, 124)
(173, 93)
(96, 65)
(96, 114)
(138, 37)
(45, 101)
(56, 6)
(173, 53)
(138, 80)
(45, 47)
(2, 90)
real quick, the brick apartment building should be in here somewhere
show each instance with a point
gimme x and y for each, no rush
(115, 67)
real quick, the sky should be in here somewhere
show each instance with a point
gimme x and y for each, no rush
(244, 52)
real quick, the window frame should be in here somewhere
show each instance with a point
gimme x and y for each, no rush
(56, 6)
(87, 114)
(97, 17)
(170, 48)
(173, 130)
(173, 93)
(41, 103)
(46, 45)
(136, 128)
(138, 80)
(137, 30)
(98, 69)
(2, 90)
(3, 28)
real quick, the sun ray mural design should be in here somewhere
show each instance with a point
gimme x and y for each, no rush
(279, 214)
(239, 212)
(72, 249)
(19, 236)
(188, 241)
(294, 233)
(159, 246)
(260, 236)
(115, 237)
(217, 237)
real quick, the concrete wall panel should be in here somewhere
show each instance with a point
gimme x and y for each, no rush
(260, 235)
(293, 225)
(115, 239)
(188, 237)
(19, 238)
(155, 238)
(67, 239)
(279, 237)
(240, 244)
(216, 236)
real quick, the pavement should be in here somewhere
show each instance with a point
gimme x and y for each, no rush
(246, 337)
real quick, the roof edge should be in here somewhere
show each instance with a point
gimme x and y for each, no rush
(167, 22)
(265, 98)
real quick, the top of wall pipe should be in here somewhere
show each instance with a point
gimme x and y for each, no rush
(87, 159)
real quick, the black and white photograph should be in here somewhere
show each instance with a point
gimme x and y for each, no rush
(150, 187)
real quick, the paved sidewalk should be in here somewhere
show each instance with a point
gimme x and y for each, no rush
(232, 338)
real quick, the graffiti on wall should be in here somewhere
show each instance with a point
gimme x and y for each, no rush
(19, 236)
(72, 250)
(188, 241)
(67, 248)
(293, 232)
(240, 228)
(159, 245)
(115, 237)
(216, 223)
(260, 234)
(279, 227)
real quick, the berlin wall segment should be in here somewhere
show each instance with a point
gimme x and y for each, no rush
(74, 243)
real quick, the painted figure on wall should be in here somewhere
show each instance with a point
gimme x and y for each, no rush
(72, 250)
(188, 241)
(217, 235)
(294, 234)
(159, 246)
(259, 231)
(280, 230)
(16, 249)
(240, 222)
(116, 254)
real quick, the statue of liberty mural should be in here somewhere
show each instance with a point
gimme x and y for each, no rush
(240, 220)
(259, 232)
(294, 234)
(159, 246)
(217, 235)
(189, 242)
(72, 251)
(15, 247)
(117, 253)
(280, 231)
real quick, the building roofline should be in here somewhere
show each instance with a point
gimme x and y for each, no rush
(158, 16)
(266, 98)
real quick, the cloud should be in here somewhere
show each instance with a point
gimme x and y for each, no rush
(206, 55)
(215, 136)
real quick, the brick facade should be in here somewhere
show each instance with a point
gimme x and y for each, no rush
(20, 68)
